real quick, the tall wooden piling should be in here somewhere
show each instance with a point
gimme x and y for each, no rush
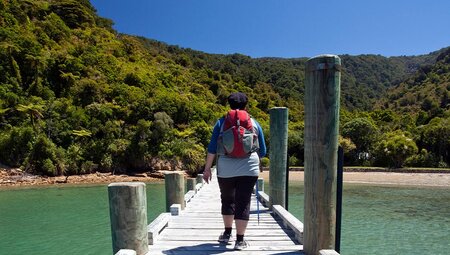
(322, 89)
(174, 182)
(128, 215)
(278, 155)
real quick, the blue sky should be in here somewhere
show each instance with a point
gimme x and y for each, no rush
(287, 28)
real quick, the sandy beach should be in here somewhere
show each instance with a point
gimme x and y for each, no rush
(15, 177)
(409, 179)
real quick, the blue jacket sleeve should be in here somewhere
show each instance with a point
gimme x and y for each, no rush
(212, 146)
(262, 143)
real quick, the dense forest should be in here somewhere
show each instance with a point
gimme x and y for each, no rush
(77, 97)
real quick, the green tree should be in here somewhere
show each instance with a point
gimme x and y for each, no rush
(15, 145)
(348, 147)
(363, 133)
(435, 137)
(296, 146)
(45, 158)
(394, 148)
(139, 149)
(34, 111)
(161, 128)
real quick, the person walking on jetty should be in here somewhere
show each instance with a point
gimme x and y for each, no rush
(238, 141)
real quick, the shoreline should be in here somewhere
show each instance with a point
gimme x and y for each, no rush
(14, 177)
(383, 178)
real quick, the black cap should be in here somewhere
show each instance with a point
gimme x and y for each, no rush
(237, 100)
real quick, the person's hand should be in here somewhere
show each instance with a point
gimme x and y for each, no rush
(207, 176)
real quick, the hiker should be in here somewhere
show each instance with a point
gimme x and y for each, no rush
(239, 147)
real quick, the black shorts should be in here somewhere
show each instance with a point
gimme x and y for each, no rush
(235, 194)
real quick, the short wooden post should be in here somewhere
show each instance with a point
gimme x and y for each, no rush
(175, 209)
(174, 182)
(200, 178)
(322, 89)
(260, 184)
(278, 155)
(190, 184)
(128, 215)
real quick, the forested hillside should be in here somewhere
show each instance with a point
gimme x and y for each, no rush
(77, 97)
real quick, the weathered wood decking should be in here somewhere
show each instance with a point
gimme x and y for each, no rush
(196, 229)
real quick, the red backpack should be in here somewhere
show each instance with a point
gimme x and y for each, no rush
(238, 136)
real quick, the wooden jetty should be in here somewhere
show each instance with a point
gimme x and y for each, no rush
(196, 229)
(194, 224)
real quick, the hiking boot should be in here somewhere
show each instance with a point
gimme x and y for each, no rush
(241, 245)
(225, 238)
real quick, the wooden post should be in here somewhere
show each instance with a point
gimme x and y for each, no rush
(200, 178)
(322, 89)
(190, 185)
(128, 215)
(174, 182)
(260, 184)
(278, 155)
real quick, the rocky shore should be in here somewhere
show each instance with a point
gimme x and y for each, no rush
(11, 177)
(17, 177)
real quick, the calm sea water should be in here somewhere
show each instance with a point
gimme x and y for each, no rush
(75, 220)
(388, 220)
(62, 220)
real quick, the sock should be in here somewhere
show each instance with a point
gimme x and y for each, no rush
(239, 238)
(228, 231)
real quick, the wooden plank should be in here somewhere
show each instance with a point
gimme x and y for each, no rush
(290, 221)
(196, 229)
(182, 218)
(198, 186)
(224, 247)
(189, 226)
(215, 248)
(212, 237)
(156, 226)
(193, 243)
(248, 233)
(216, 214)
(262, 223)
(220, 225)
(213, 222)
(328, 252)
(227, 251)
(264, 198)
(188, 196)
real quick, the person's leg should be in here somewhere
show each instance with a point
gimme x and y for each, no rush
(241, 226)
(227, 192)
(243, 196)
(228, 221)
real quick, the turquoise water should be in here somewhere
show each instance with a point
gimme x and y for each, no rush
(389, 220)
(62, 220)
(75, 220)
